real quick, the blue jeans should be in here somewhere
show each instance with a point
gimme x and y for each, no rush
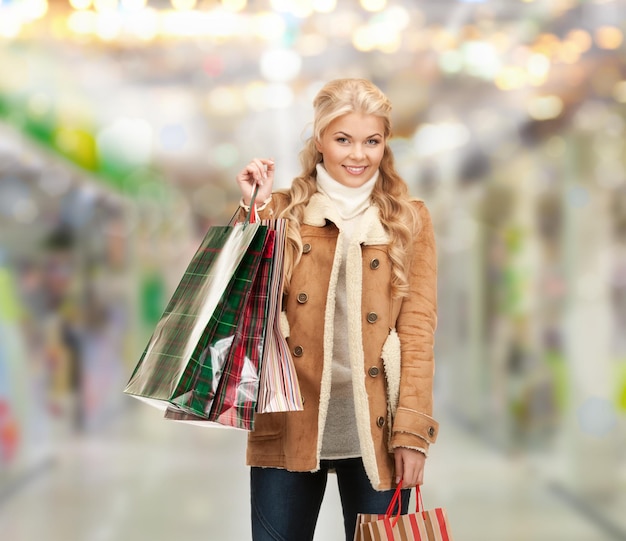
(285, 505)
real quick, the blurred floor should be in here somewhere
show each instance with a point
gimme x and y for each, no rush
(143, 478)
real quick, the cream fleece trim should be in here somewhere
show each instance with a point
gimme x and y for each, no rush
(354, 281)
(370, 231)
(318, 209)
(284, 325)
(391, 355)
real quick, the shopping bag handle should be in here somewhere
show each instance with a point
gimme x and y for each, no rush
(395, 505)
(252, 215)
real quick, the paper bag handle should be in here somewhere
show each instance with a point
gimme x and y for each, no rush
(395, 505)
(252, 215)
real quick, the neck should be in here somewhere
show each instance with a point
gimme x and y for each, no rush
(349, 201)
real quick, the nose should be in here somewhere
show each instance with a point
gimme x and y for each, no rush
(357, 151)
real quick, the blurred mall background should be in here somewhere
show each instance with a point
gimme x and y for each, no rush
(122, 126)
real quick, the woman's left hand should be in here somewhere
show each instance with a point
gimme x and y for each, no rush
(409, 466)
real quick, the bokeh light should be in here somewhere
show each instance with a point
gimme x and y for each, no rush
(609, 37)
(234, 5)
(80, 4)
(183, 5)
(105, 6)
(545, 107)
(619, 91)
(280, 65)
(324, 6)
(133, 6)
(538, 69)
(10, 26)
(581, 39)
(82, 22)
(373, 5)
(511, 78)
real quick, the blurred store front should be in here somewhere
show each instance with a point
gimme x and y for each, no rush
(123, 124)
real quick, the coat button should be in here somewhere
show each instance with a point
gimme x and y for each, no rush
(302, 298)
(373, 371)
(306, 248)
(298, 351)
(380, 422)
(374, 263)
(431, 431)
(372, 317)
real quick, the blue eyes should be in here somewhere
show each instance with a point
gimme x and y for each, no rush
(372, 142)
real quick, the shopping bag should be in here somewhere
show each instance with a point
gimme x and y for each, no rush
(278, 388)
(422, 525)
(179, 364)
(220, 336)
(259, 333)
(236, 395)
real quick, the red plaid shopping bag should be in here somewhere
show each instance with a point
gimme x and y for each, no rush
(236, 395)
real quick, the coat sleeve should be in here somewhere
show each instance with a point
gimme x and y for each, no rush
(413, 425)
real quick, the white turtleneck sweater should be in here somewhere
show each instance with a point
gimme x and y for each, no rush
(340, 438)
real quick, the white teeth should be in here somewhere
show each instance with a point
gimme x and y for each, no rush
(355, 170)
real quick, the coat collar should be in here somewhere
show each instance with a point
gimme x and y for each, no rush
(370, 229)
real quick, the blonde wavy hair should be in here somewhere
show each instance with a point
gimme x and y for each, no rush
(390, 194)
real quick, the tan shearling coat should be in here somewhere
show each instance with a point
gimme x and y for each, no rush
(390, 341)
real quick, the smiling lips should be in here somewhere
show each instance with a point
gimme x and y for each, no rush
(355, 170)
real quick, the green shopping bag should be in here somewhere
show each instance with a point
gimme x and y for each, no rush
(180, 362)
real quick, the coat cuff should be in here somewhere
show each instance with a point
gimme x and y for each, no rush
(413, 429)
(409, 441)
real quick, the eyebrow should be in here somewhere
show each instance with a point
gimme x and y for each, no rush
(348, 135)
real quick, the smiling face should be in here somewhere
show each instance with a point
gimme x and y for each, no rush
(352, 147)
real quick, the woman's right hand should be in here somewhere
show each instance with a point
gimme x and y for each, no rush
(259, 171)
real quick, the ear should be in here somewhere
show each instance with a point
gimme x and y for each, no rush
(318, 146)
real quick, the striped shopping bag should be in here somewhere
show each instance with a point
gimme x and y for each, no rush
(279, 389)
(422, 525)
(182, 359)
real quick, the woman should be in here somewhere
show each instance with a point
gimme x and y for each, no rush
(359, 313)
